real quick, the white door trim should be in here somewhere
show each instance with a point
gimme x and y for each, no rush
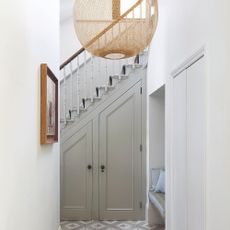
(189, 61)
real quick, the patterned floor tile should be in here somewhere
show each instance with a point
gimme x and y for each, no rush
(108, 225)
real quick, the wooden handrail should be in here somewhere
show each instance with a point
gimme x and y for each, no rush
(72, 58)
(100, 34)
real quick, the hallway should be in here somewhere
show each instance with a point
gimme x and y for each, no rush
(100, 136)
(108, 225)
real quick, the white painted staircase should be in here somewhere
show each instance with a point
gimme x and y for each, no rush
(88, 83)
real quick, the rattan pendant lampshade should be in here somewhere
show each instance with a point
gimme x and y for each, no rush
(115, 29)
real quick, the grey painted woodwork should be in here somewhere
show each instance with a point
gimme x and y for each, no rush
(114, 133)
(120, 154)
(77, 176)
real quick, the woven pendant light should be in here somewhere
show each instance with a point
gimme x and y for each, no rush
(115, 29)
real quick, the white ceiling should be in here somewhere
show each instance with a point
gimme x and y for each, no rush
(66, 9)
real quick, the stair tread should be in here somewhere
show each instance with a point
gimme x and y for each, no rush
(101, 91)
(119, 75)
(134, 65)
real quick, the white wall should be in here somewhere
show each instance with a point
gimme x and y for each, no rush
(185, 26)
(69, 43)
(29, 172)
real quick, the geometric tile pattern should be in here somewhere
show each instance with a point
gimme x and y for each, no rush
(108, 225)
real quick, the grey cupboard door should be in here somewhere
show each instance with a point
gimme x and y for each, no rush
(120, 158)
(76, 176)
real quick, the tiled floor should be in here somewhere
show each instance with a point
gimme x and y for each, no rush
(108, 225)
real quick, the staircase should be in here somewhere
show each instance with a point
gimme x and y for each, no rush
(93, 82)
(88, 80)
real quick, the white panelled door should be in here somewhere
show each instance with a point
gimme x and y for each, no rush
(188, 149)
(76, 176)
(196, 145)
(179, 160)
(120, 158)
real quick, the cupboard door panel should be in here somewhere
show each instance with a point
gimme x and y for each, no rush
(179, 212)
(196, 144)
(76, 183)
(120, 139)
(188, 148)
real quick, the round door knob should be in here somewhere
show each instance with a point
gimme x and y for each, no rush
(102, 168)
(89, 167)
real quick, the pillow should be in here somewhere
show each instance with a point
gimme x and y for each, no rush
(155, 173)
(160, 187)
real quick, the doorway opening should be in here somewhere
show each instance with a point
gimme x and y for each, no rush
(156, 164)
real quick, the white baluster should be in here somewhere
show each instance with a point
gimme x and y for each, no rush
(141, 10)
(126, 30)
(144, 9)
(120, 69)
(141, 22)
(106, 75)
(85, 76)
(133, 38)
(92, 79)
(71, 86)
(64, 95)
(99, 70)
(127, 61)
(134, 62)
(78, 86)
(113, 67)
